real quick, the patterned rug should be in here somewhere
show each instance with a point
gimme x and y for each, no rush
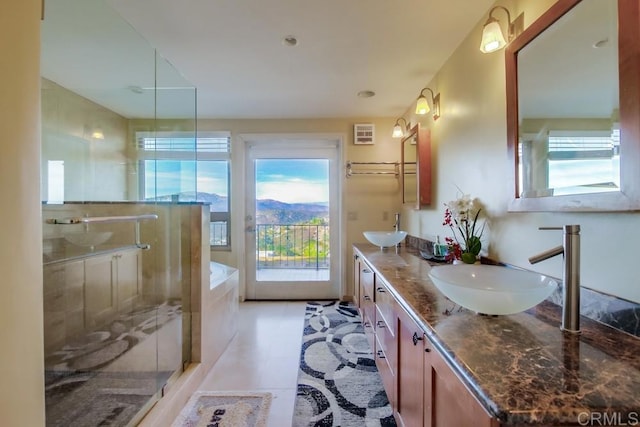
(338, 383)
(225, 409)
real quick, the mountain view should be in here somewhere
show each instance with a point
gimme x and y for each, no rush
(267, 211)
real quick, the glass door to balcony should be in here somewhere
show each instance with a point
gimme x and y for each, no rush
(291, 220)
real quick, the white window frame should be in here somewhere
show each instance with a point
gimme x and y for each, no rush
(212, 154)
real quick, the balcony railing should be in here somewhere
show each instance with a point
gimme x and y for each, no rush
(292, 246)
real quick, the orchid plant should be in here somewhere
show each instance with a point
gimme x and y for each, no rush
(461, 215)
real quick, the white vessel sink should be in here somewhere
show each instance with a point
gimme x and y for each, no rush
(490, 289)
(87, 238)
(385, 238)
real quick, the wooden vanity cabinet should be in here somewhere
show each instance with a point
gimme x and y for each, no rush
(423, 389)
(411, 403)
(365, 284)
(386, 339)
(450, 401)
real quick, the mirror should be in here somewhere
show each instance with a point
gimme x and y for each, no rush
(415, 159)
(573, 135)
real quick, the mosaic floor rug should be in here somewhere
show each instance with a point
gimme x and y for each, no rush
(338, 383)
(225, 409)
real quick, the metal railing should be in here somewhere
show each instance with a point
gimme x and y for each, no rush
(292, 246)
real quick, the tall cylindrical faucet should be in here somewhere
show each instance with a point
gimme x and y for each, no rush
(571, 275)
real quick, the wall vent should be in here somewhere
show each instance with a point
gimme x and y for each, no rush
(363, 133)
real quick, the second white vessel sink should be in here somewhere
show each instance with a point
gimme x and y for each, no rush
(385, 239)
(490, 289)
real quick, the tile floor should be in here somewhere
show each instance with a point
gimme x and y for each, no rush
(263, 356)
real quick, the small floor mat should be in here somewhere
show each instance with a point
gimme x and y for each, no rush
(225, 409)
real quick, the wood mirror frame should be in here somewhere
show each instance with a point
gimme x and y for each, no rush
(628, 198)
(422, 167)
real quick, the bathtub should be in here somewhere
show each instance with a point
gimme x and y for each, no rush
(219, 273)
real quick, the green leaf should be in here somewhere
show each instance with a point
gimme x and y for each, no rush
(473, 245)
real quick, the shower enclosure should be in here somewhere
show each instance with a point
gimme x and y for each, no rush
(117, 283)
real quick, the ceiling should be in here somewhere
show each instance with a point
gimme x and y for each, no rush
(232, 51)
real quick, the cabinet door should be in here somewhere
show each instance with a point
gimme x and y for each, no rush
(452, 403)
(128, 279)
(99, 290)
(367, 306)
(410, 398)
(356, 279)
(63, 300)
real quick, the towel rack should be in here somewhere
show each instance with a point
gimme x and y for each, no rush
(107, 219)
(97, 219)
(371, 168)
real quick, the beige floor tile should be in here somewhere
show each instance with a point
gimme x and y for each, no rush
(264, 356)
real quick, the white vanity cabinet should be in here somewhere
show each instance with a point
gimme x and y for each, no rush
(83, 294)
(63, 299)
(112, 284)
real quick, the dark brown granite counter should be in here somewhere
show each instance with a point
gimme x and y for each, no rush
(522, 367)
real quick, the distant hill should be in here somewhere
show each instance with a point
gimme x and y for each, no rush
(267, 211)
(275, 212)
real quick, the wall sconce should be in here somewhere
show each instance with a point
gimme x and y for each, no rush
(398, 132)
(97, 133)
(492, 36)
(422, 106)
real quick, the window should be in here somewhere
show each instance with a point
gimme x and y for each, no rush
(583, 161)
(182, 167)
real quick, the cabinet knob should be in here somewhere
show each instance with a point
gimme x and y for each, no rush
(367, 298)
(380, 354)
(381, 324)
(366, 324)
(380, 289)
(416, 338)
(427, 350)
(364, 270)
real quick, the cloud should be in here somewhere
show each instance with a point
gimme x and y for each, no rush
(293, 191)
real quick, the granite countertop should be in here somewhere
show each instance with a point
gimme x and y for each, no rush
(522, 367)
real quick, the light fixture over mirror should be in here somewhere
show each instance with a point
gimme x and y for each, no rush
(422, 106)
(492, 36)
(399, 131)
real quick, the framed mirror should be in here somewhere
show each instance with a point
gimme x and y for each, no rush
(573, 108)
(415, 167)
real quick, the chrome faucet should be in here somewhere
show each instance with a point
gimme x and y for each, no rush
(396, 224)
(396, 228)
(571, 278)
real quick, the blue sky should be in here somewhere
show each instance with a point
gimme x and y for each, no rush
(286, 180)
(293, 180)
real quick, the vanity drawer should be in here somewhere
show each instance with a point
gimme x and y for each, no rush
(385, 302)
(367, 279)
(386, 340)
(386, 373)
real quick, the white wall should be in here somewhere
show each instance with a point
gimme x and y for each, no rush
(95, 169)
(21, 357)
(469, 151)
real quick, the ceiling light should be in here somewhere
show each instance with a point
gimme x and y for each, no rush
(366, 94)
(492, 36)
(290, 41)
(398, 132)
(422, 106)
